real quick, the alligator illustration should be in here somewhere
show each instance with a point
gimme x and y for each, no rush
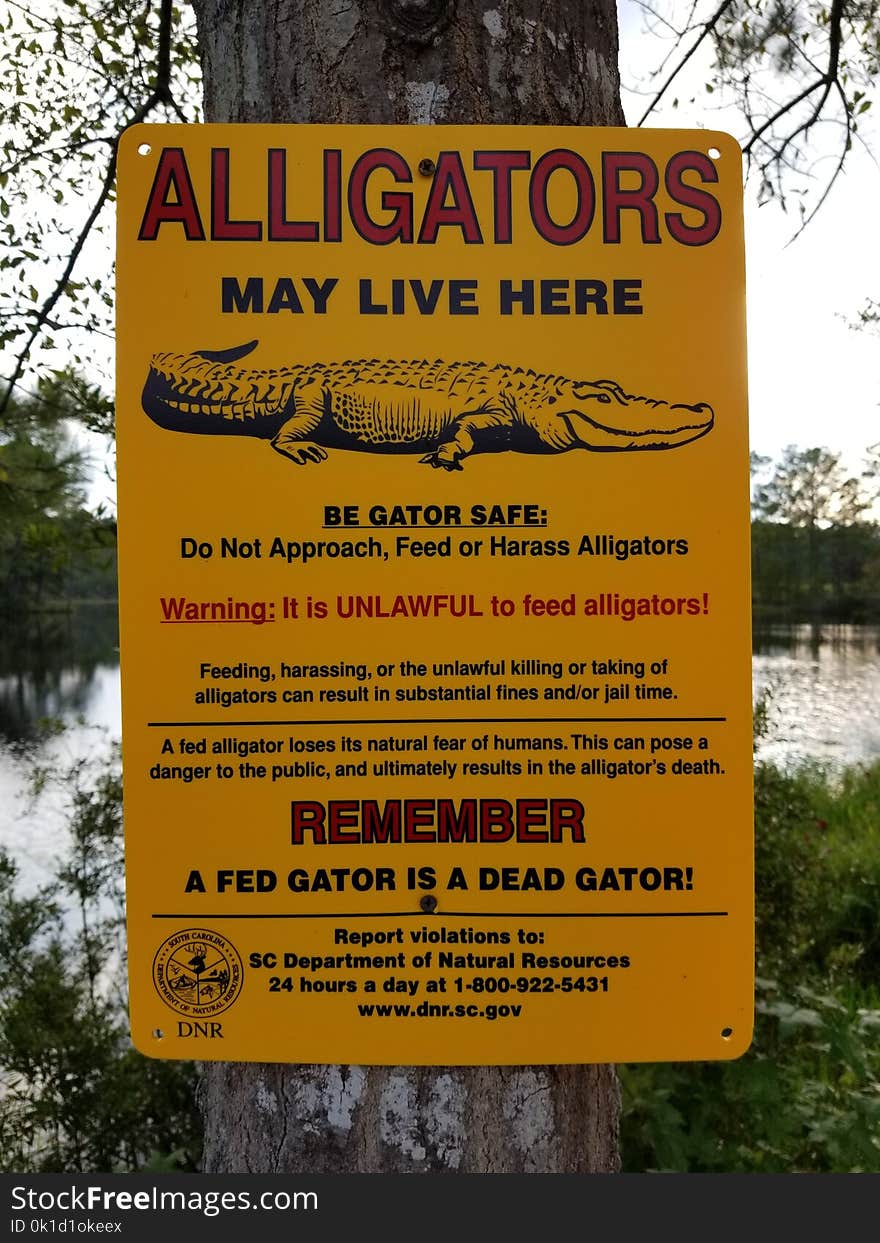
(443, 410)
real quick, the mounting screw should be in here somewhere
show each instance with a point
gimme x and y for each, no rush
(426, 167)
(428, 903)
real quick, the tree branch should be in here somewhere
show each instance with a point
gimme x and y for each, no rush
(825, 82)
(707, 29)
(160, 94)
(837, 170)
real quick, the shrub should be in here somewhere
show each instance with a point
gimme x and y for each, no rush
(74, 1094)
(806, 1097)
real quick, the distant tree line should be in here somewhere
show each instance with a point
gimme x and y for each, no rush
(815, 537)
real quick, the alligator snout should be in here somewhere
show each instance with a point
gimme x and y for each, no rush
(604, 417)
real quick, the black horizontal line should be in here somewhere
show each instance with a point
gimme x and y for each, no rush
(436, 526)
(452, 915)
(455, 720)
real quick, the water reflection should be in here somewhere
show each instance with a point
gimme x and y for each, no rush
(61, 665)
(858, 641)
(825, 690)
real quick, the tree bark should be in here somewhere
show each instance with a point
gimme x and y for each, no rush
(408, 1120)
(412, 62)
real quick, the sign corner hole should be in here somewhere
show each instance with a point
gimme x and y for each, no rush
(714, 153)
(158, 1034)
(726, 1033)
(144, 148)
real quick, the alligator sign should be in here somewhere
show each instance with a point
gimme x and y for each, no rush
(434, 594)
(446, 411)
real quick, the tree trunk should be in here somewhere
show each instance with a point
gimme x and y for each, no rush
(539, 62)
(411, 62)
(407, 1120)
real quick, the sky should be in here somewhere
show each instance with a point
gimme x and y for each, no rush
(813, 381)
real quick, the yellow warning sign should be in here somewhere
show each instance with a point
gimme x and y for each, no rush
(433, 479)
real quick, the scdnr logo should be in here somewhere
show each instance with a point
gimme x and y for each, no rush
(198, 973)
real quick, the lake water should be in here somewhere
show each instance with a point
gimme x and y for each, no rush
(63, 667)
(824, 684)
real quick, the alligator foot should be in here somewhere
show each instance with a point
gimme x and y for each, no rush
(299, 451)
(448, 456)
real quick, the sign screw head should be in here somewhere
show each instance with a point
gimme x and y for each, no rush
(426, 167)
(428, 903)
